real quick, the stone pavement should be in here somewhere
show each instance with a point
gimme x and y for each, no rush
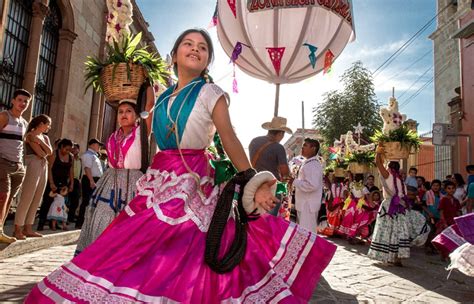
(350, 278)
(354, 278)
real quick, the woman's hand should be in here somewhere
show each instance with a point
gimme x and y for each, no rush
(53, 187)
(264, 196)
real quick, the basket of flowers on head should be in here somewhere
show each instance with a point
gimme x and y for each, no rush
(396, 138)
(127, 64)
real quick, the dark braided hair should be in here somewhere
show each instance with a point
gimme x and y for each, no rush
(145, 146)
(233, 190)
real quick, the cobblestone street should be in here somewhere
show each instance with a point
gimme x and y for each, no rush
(350, 278)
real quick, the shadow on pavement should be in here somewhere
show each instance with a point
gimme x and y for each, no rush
(324, 294)
(16, 294)
(424, 270)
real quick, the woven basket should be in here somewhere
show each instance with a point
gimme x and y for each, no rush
(119, 86)
(358, 168)
(339, 172)
(394, 150)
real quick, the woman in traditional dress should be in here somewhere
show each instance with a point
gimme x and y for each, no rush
(338, 193)
(118, 184)
(397, 226)
(457, 242)
(166, 244)
(354, 218)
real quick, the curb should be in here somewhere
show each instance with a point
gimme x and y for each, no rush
(34, 244)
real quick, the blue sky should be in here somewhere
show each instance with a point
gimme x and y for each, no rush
(382, 26)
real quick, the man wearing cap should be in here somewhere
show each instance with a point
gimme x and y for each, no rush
(267, 154)
(92, 171)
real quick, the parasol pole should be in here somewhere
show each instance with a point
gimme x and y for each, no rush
(302, 116)
(277, 99)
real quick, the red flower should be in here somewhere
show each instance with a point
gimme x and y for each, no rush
(59, 209)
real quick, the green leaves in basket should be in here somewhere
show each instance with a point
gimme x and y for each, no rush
(407, 137)
(127, 51)
(361, 157)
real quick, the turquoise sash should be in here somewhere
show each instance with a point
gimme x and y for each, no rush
(179, 113)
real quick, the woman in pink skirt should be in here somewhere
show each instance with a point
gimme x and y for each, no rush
(171, 243)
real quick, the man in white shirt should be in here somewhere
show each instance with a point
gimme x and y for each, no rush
(309, 186)
(92, 171)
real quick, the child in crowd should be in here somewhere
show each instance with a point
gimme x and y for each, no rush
(57, 211)
(449, 207)
(430, 206)
(411, 179)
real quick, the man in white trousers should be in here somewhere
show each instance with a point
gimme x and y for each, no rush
(309, 186)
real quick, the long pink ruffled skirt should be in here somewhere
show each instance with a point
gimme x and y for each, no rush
(154, 251)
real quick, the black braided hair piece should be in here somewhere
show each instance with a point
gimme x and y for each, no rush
(236, 252)
(141, 104)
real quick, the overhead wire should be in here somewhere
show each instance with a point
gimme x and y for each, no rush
(400, 50)
(415, 82)
(405, 69)
(424, 86)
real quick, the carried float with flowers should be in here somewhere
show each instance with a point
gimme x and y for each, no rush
(126, 65)
(396, 138)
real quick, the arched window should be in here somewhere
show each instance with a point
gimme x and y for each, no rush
(15, 47)
(47, 60)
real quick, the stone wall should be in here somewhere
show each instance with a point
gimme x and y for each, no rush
(89, 27)
(447, 72)
(76, 114)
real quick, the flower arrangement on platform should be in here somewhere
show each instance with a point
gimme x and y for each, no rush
(119, 18)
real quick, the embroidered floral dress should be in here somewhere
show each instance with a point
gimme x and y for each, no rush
(154, 250)
(359, 213)
(397, 226)
(115, 188)
(335, 216)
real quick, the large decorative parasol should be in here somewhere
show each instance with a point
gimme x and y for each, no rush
(284, 41)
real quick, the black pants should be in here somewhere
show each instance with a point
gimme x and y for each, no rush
(86, 196)
(74, 197)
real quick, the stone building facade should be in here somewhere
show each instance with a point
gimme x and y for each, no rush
(447, 75)
(43, 46)
(462, 106)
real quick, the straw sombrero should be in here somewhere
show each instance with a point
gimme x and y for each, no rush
(277, 124)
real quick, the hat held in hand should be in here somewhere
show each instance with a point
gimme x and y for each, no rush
(277, 124)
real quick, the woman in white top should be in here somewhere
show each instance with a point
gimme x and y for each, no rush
(185, 237)
(397, 226)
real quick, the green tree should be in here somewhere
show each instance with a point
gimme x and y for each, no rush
(340, 111)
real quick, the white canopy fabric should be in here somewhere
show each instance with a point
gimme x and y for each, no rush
(290, 24)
